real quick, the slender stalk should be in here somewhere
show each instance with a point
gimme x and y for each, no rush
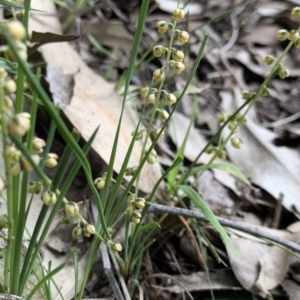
(9, 187)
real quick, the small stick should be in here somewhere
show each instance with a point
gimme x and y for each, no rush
(155, 208)
(278, 211)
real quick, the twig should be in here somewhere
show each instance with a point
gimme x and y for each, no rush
(157, 208)
(278, 212)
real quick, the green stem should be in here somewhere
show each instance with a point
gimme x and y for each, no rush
(9, 187)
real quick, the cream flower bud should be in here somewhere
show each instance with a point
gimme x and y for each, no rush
(150, 98)
(21, 49)
(8, 102)
(178, 67)
(170, 99)
(265, 92)
(159, 75)
(51, 160)
(178, 14)
(90, 229)
(233, 126)
(49, 198)
(152, 158)
(15, 168)
(222, 118)
(144, 92)
(35, 187)
(162, 26)
(293, 35)
(159, 51)
(183, 37)
(162, 115)
(71, 208)
(282, 34)
(99, 183)
(26, 165)
(295, 13)
(116, 247)
(38, 145)
(210, 149)
(10, 86)
(236, 142)
(139, 203)
(3, 73)
(19, 124)
(14, 153)
(2, 185)
(16, 29)
(177, 55)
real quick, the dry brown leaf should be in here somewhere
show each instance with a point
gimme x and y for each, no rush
(275, 169)
(94, 100)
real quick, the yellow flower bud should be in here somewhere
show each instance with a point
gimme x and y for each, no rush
(232, 126)
(152, 158)
(150, 98)
(139, 203)
(22, 51)
(178, 14)
(90, 229)
(236, 142)
(162, 26)
(49, 198)
(15, 168)
(10, 86)
(295, 13)
(293, 35)
(35, 187)
(177, 55)
(170, 99)
(297, 43)
(159, 75)
(210, 149)
(26, 165)
(16, 29)
(183, 37)
(71, 208)
(19, 124)
(135, 217)
(144, 92)
(99, 183)
(8, 102)
(222, 118)
(51, 160)
(178, 67)
(156, 133)
(282, 34)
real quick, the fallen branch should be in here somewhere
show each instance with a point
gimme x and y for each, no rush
(155, 208)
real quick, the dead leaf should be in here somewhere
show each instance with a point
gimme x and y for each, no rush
(292, 289)
(61, 86)
(192, 8)
(94, 101)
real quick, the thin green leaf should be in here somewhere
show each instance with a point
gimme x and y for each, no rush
(151, 225)
(231, 169)
(205, 209)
